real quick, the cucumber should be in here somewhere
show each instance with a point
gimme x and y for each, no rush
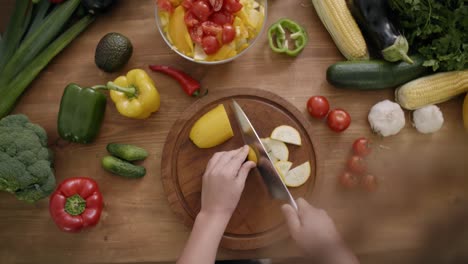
(374, 74)
(127, 152)
(122, 168)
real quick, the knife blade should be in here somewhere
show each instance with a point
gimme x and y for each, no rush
(267, 170)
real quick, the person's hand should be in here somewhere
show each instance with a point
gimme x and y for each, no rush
(223, 182)
(316, 234)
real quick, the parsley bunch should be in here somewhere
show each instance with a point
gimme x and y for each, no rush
(437, 29)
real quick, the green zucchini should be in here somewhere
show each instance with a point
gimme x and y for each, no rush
(122, 168)
(374, 74)
(127, 152)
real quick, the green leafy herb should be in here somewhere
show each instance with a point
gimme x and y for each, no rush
(437, 29)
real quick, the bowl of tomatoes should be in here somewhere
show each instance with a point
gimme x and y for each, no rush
(210, 31)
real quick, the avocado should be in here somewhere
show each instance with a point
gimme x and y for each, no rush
(113, 52)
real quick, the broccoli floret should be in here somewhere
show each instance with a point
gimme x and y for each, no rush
(25, 161)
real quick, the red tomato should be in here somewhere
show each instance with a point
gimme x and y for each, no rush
(165, 5)
(357, 165)
(222, 17)
(210, 44)
(216, 4)
(190, 19)
(348, 180)
(196, 33)
(362, 147)
(201, 10)
(318, 106)
(232, 6)
(370, 183)
(229, 33)
(187, 4)
(338, 120)
(211, 28)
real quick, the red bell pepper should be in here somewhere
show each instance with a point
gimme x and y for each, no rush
(76, 204)
(191, 86)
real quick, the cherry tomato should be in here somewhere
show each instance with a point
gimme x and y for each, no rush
(357, 164)
(216, 4)
(362, 147)
(338, 120)
(348, 180)
(190, 19)
(210, 44)
(165, 5)
(232, 6)
(222, 17)
(196, 33)
(201, 10)
(229, 33)
(318, 106)
(187, 4)
(211, 29)
(370, 183)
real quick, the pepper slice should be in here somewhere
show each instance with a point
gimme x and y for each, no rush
(76, 204)
(81, 113)
(278, 37)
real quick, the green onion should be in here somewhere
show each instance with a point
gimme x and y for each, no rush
(38, 40)
(39, 17)
(14, 32)
(16, 87)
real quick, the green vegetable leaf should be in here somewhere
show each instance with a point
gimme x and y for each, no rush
(437, 29)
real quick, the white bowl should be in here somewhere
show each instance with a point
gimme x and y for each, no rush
(251, 42)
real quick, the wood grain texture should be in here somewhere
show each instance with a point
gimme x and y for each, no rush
(422, 178)
(257, 221)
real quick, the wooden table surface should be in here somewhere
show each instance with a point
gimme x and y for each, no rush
(419, 208)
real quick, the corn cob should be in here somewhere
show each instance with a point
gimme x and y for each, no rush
(341, 26)
(432, 89)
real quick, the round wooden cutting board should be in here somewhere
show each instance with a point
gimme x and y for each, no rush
(257, 221)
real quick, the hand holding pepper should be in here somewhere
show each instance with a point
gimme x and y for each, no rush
(76, 204)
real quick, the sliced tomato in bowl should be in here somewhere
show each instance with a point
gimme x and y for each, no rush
(229, 33)
(187, 4)
(211, 29)
(210, 45)
(165, 5)
(216, 4)
(222, 17)
(202, 10)
(196, 33)
(190, 19)
(232, 6)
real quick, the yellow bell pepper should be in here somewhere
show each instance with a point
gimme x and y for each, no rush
(178, 32)
(225, 52)
(135, 94)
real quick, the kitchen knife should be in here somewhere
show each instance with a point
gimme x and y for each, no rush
(265, 165)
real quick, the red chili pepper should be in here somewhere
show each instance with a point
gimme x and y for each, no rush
(76, 204)
(190, 85)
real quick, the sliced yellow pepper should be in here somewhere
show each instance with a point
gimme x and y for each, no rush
(178, 32)
(135, 95)
(226, 51)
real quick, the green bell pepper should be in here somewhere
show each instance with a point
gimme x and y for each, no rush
(81, 113)
(278, 37)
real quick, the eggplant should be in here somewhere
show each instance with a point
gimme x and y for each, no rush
(373, 18)
(97, 6)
